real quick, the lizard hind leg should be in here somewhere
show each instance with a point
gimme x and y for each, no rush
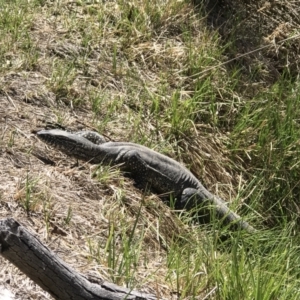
(92, 136)
(191, 198)
(146, 177)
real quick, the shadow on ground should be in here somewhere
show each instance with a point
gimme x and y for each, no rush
(263, 37)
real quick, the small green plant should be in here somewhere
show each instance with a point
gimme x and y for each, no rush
(121, 251)
(30, 201)
(69, 215)
(123, 266)
(48, 213)
(105, 174)
(12, 139)
(63, 75)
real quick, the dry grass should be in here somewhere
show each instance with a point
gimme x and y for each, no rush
(128, 71)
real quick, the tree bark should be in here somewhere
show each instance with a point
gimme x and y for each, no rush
(39, 263)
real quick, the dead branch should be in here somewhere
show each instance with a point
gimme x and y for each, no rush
(52, 274)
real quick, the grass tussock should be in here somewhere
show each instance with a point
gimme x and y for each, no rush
(163, 74)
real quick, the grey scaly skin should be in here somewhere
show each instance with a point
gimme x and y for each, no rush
(147, 167)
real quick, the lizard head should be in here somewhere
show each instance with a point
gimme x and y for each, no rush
(68, 143)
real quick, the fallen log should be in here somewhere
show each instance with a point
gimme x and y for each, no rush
(51, 273)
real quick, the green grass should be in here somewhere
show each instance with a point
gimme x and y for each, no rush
(267, 134)
(138, 69)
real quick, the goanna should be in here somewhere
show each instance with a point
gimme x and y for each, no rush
(147, 167)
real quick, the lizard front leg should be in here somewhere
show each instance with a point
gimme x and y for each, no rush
(145, 175)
